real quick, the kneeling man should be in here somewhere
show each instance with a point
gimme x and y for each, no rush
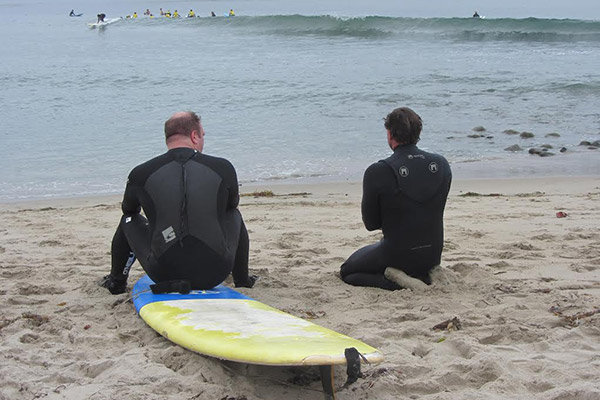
(404, 196)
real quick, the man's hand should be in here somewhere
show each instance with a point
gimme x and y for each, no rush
(114, 286)
(248, 283)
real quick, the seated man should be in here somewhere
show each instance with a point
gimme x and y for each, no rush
(194, 232)
(404, 196)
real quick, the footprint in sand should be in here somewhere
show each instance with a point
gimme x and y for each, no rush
(50, 243)
(92, 370)
(27, 290)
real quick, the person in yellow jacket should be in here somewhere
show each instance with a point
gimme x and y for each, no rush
(134, 14)
(231, 13)
(191, 14)
(175, 14)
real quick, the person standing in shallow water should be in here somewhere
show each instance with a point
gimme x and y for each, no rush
(192, 233)
(404, 196)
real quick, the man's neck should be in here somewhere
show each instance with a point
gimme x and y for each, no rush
(172, 146)
(400, 145)
(176, 143)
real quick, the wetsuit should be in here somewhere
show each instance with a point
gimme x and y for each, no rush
(404, 195)
(193, 230)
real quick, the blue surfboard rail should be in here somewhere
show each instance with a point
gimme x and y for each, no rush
(142, 294)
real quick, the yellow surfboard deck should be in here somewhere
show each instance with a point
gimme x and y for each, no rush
(225, 324)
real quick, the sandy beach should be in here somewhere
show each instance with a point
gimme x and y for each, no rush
(523, 285)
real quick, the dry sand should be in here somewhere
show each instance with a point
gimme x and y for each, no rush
(523, 284)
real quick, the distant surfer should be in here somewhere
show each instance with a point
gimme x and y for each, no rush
(231, 13)
(101, 17)
(192, 233)
(404, 196)
(162, 12)
(191, 14)
(147, 12)
(212, 14)
(476, 15)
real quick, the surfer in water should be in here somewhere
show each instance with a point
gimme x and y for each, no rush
(101, 17)
(476, 15)
(192, 232)
(404, 196)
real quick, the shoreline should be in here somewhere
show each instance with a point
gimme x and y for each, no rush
(559, 183)
(517, 166)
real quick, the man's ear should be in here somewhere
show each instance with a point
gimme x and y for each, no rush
(195, 136)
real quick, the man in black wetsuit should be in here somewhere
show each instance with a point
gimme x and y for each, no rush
(194, 234)
(404, 196)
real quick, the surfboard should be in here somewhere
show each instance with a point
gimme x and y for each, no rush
(226, 324)
(93, 25)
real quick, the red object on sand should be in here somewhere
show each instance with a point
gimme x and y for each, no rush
(561, 214)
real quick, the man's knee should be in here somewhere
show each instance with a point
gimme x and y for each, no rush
(346, 269)
(134, 227)
(349, 279)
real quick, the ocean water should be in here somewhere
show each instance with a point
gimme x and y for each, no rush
(292, 91)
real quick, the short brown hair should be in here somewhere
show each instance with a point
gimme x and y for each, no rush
(182, 124)
(404, 125)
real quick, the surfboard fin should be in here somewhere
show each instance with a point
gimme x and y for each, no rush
(327, 381)
(353, 358)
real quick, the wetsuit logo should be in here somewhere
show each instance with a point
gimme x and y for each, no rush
(433, 167)
(403, 171)
(169, 234)
(129, 263)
